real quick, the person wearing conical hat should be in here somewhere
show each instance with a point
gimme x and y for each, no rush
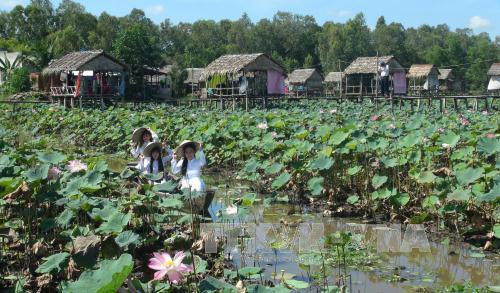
(158, 156)
(185, 162)
(140, 139)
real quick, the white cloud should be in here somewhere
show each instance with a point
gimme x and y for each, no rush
(9, 4)
(341, 13)
(476, 22)
(155, 9)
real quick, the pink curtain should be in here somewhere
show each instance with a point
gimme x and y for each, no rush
(275, 82)
(399, 82)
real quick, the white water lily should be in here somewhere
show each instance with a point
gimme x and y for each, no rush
(232, 210)
(262, 126)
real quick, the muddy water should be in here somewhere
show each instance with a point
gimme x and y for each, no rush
(444, 265)
(391, 272)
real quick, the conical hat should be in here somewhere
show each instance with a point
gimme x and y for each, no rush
(150, 147)
(137, 135)
(179, 151)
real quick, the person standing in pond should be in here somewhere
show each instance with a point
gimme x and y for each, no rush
(158, 155)
(384, 78)
(189, 166)
(140, 139)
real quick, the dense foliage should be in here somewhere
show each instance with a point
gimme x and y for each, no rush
(76, 220)
(293, 40)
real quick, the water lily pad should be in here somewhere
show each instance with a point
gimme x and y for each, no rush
(273, 169)
(108, 278)
(354, 170)
(459, 195)
(353, 199)
(281, 180)
(315, 185)
(321, 163)
(126, 238)
(51, 158)
(378, 181)
(449, 138)
(488, 146)
(40, 172)
(54, 263)
(469, 175)
(296, 284)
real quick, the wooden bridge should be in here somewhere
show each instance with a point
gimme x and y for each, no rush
(476, 102)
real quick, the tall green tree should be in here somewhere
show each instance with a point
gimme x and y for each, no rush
(138, 47)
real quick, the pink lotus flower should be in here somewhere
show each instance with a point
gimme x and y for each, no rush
(392, 126)
(440, 130)
(490, 135)
(464, 121)
(484, 112)
(262, 126)
(446, 146)
(274, 134)
(76, 166)
(165, 265)
(54, 173)
(321, 111)
(375, 117)
(333, 111)
(446, 112)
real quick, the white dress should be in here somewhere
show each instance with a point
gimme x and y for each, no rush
(145, 168)
(192, 179)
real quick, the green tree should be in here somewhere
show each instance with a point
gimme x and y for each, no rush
(138, 47)
(480, 56)
(18, 81)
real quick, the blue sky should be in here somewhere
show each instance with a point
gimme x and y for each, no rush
(480, 15)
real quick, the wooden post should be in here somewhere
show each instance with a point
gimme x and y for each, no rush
(376, 78)
(360, 86)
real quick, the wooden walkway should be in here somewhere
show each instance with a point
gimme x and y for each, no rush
(476, 102)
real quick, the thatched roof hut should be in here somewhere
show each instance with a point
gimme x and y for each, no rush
(99, 74)
(303, 75)
(369, 65)
(307, 80)
(494, 74)
(362, 74)
(446, 74)
(423, 77)
(494, 69)
(333, 77)
(423, 70)
(85, 60)
(244, 74)
(193, 75)
(448, 81)
(236, 64)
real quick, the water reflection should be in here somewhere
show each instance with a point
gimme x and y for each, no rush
(398, 272)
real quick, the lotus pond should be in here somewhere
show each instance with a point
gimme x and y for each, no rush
(72, 218)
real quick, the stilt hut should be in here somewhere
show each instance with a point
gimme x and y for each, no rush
(307, 82)
(192, 82)
(244, 75)
(86, 73)
(448, 82)
(158, 82)
(494, 74)
(334, 83)
(423, 78)
(362, 74)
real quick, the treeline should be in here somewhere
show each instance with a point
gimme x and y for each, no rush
(44, 32)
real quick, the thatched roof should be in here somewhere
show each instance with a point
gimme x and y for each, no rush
(422, 70)
(334, 77)
(193, 75)
(494, 69)
(234, 64)
(302, 75)
(85, 60)
(445, 74)
(369, 65)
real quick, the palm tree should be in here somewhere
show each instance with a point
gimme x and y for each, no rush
(7, 67)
